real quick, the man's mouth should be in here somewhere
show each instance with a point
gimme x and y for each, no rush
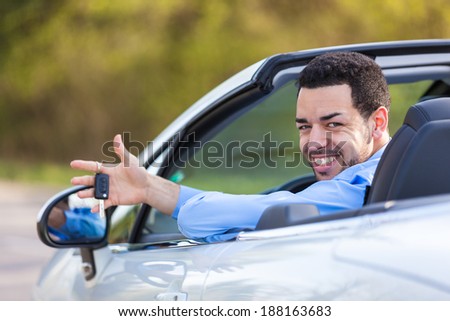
(323, 161)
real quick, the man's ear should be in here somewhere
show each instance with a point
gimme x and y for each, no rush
(380, 118)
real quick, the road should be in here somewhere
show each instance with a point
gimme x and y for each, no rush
(22, 254)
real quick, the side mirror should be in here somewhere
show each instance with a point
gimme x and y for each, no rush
(66, 221)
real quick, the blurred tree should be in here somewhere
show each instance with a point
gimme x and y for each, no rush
(75, 72)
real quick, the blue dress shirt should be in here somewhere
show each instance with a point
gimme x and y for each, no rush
(215, 216)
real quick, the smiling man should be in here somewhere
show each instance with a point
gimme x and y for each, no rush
(342, 118)
(342, 112)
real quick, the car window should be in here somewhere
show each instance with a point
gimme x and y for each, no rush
(122, 223)
(257, 151)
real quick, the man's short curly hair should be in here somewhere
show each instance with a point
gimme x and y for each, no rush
(361, 73)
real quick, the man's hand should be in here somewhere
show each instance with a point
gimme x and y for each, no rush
(129, 182)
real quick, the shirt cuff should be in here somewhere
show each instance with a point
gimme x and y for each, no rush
(185, 194)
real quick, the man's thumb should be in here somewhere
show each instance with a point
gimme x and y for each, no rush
(119, 148)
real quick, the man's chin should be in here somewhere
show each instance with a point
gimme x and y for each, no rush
(322, 175)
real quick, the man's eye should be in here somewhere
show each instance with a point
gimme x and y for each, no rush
(334, 125)
(303, 127)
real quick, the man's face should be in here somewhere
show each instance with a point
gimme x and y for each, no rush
(333, 135)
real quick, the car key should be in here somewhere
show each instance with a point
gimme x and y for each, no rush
(101, 191)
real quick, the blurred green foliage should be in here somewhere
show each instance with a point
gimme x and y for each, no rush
(75, 72)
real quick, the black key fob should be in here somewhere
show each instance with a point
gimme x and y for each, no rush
(101, 186)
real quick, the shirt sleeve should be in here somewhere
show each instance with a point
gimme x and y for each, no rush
(185, 194)
(214, 216)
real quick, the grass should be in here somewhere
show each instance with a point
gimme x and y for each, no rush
(43, 173)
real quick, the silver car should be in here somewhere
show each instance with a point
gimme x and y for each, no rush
(241, 138)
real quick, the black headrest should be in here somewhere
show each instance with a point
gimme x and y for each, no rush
(426, 111)
(417, 160)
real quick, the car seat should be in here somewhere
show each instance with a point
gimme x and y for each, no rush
(417, 160)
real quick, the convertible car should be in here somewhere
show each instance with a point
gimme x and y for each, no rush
(241, 138)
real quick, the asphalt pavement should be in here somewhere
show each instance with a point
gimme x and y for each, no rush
(22, 254)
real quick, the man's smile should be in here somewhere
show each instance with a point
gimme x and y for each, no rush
(323, 161)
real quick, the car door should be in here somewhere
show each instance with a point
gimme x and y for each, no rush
(390, 254)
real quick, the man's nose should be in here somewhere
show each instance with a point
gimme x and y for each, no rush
(319, 137)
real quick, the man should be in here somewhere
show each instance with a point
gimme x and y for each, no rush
(342, 118)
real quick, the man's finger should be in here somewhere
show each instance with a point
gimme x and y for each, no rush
(90, 166)
(83, 180)
(119, 148)
(86, 193)
(95, 209)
